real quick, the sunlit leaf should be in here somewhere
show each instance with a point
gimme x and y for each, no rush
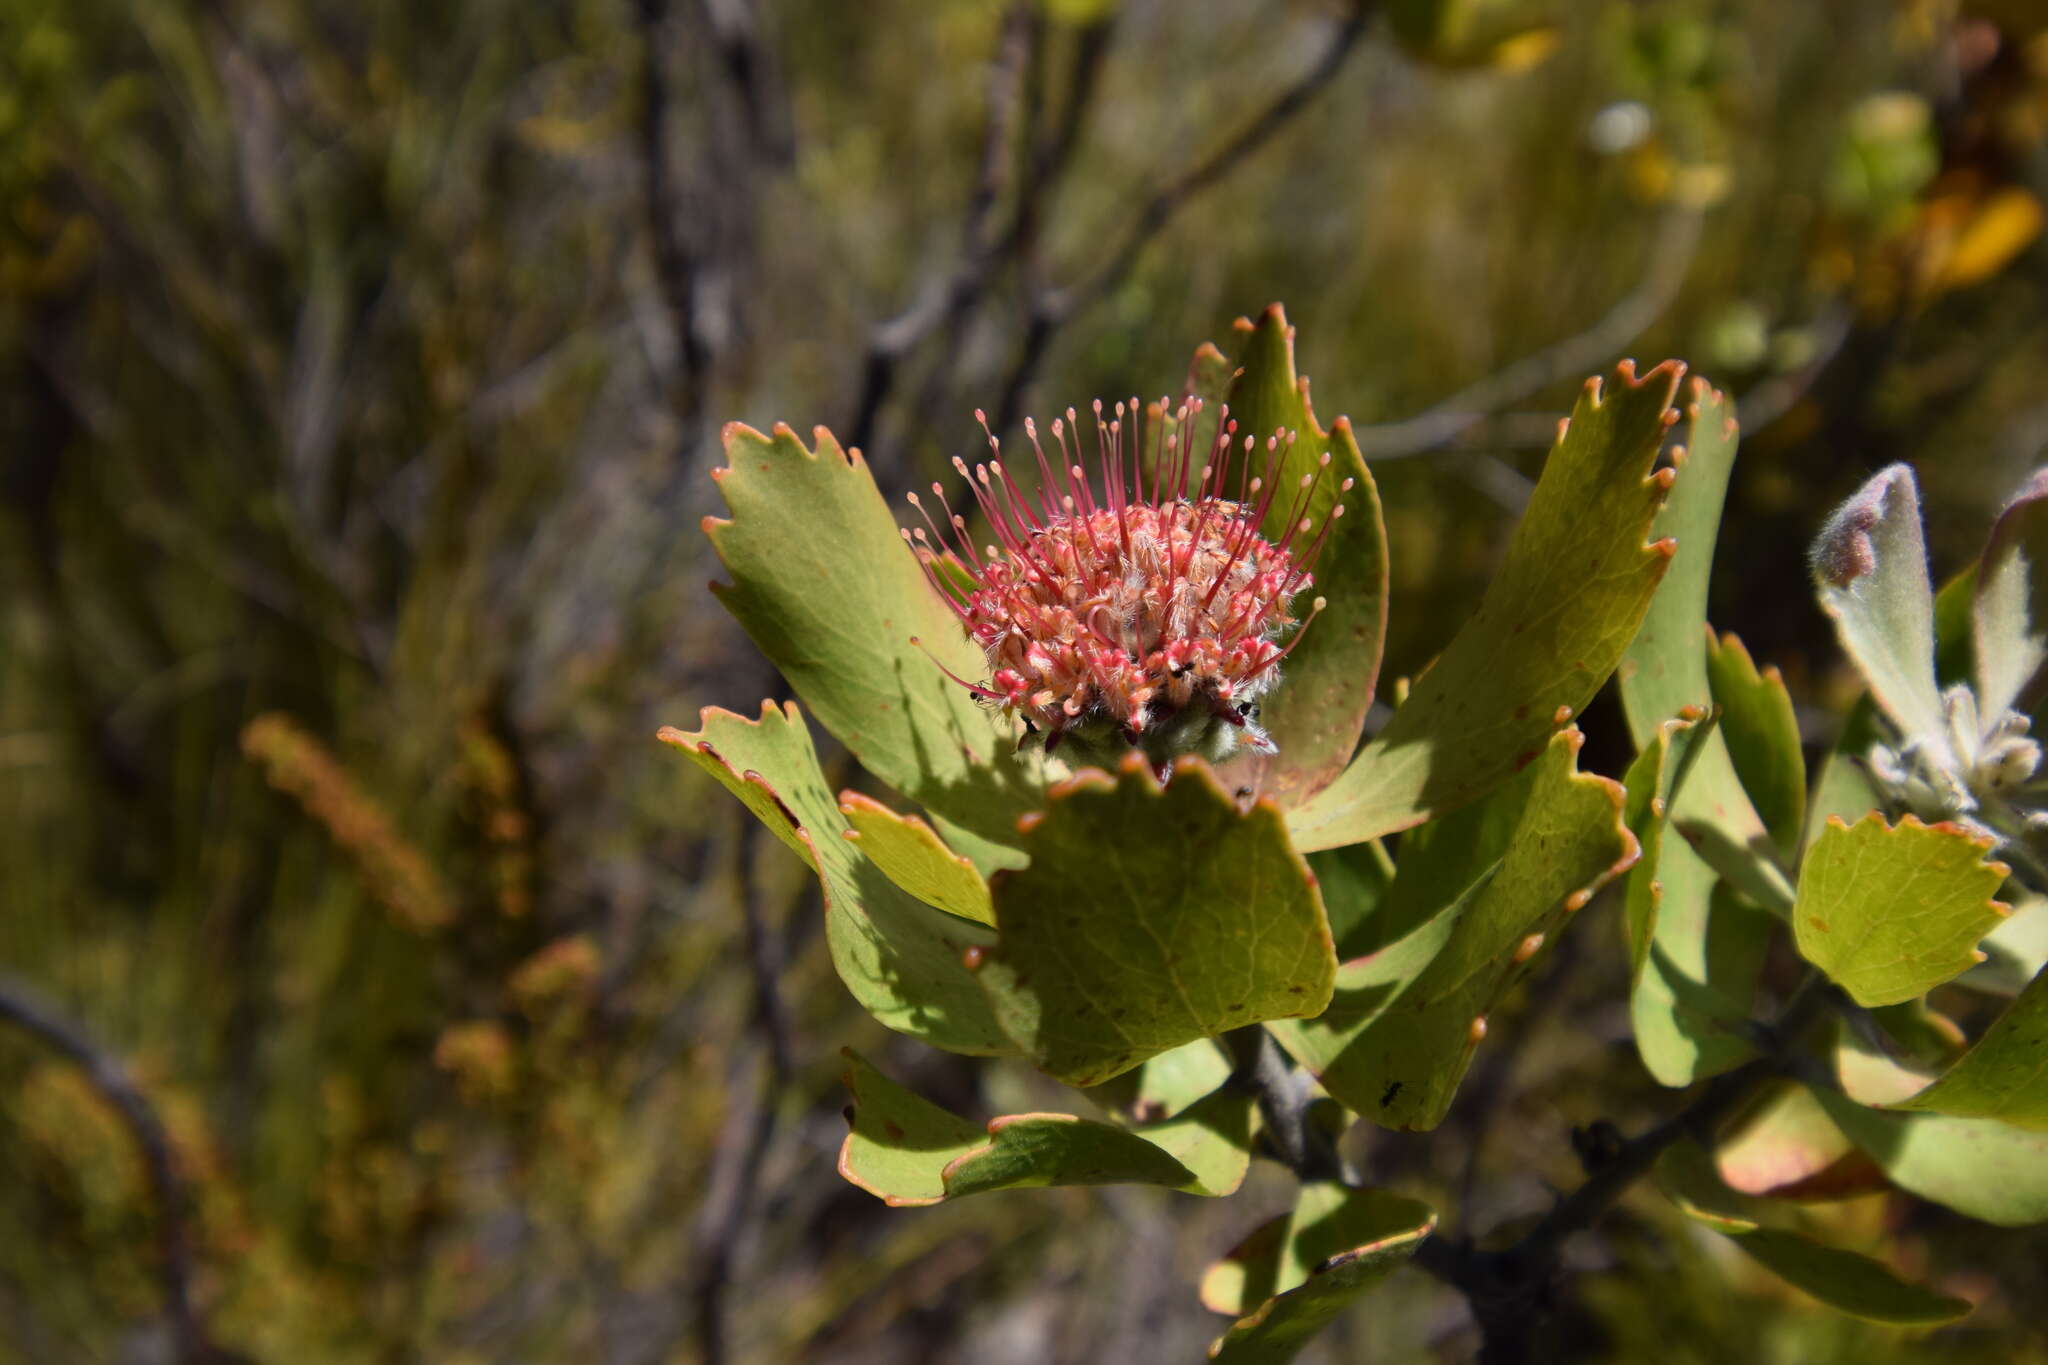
(825, 587)
(906, 1150)
(1349, 1240)
(899, 956)
(1571, 590)
(1402, 1026)
(913, 856)
(1890, 912)
(1151, 916)
(1700, 968)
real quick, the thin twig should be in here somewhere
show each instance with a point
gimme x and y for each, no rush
(950, 299)
(1051, 308)
(1773, 398)
(755, 76)
(676, 267)
(743, 1141)
(21, 1006)
(1671, 257)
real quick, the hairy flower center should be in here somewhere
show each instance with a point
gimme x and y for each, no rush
(1150, 615)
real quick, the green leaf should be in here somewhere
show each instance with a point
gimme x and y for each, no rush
(1890, 912)
(1403, 1023)
(1151, 916)
(1870, 565)
(1349, 1240)
(2005, 1076)
(1762, 734)
(899, 957)
(1842, 1280)
(2014, 951)
(2010, 608)
(1843, 789)
(906, 1151)
(825, 587)
(899, 1144)
(1650, 783)
(1787, 1147)
(913, 856)
(1316, 715)
(1848, 1282)
(1574, 584)
(1244, 1277)
(1355, 882)
(1702, 961)
(1166, 1084)
(1981, 1167)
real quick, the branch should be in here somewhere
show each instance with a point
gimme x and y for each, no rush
(982, 251)
(675, 266)
(1670, 258)
(1051, 309)
(743, 1141)
(752, 71)
(1511, 1290)
(21, 1006)
(1284, 1098)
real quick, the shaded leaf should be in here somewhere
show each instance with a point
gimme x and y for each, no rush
(1164, 1085)
(1843, 788)
(1151, 916)
(1571, 590)
(1788, 1148)
(2005, 1076)
(1762, 735)
(913, 856)
(905, 1150)
(1890, 912)
(825, 587)
(2014, 951)
(899, 956)
(2009, 610)
(1355, 882)
(1244, 1277)
(1650, 782)
(1403, 1023)
(1350, 1240)
(1870, 565)
(1842, 1280)
(1316, 716)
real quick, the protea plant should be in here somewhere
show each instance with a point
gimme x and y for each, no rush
(1109, 699)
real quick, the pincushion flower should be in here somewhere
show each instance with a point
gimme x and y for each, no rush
(1149, 615)
(1039, 674)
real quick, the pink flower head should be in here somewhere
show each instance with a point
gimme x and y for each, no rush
(1147, 616)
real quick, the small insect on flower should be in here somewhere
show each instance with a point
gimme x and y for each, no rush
(1149, 615)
